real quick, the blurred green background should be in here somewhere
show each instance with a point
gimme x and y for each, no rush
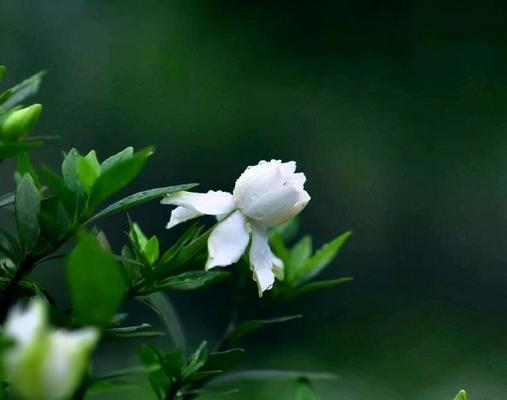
(395, 110)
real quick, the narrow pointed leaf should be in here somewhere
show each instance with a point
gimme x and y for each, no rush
(190, 280)
(23, 90)
(7, 199)
(137, 199)
(248, 327)
(274, 375)
(28, 207)
(313, 286)
(322, 258)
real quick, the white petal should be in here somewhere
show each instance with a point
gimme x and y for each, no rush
(261, 259)
(181, 214)
(211, 203)
(25, 326)
(255, 181)
(228, 241)
(66, 361)
(276, 206)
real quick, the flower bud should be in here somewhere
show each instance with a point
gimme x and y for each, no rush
(271, 193)
(18, 123)
(43, 363)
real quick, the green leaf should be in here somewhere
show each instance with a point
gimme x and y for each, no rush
(62, 192)
(25, 166)
(196, 361)
(313, 286)
(304, 390)
(54, 220)
(151, 358)
(88, 169)
(299, 255)
(151, 250)
(12, 149)
(274, 375)
(279, 248)
(184, 252)
(287, 230)
(322, 258)
(167, 314)
(190, 280)
(250, 326)
(137, 199)
(23, 90)
(2, 72)
(7, 199)
(138, 331)
(96, 281)
(172, 363)
(70, 172)
(118, 176)
(462, 395)
(224, 360)
(28, 206)
(123, 155)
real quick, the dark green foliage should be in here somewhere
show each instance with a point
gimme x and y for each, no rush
(96, 282)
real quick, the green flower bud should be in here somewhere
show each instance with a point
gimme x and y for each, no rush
(18, 123)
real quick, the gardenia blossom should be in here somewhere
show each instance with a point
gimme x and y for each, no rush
(43, 363)
(267, 194)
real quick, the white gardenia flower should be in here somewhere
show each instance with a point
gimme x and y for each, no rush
(265, 195)
(44, 363)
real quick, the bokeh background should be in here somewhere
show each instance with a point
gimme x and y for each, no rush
(395, 110)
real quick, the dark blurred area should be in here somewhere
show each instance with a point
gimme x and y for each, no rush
(395, 110)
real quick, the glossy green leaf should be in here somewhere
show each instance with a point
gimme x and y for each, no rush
(184, 253)
(70, 172)
(250, 326)
(462, 395)
(118, 176)
(23, 90)
(96, 281)
(313, 286)
(123, 155)
(68, 199)
(7, 199)
(138, 331)
(299, 255)
(168, 315)
(27, 207)
(25, 166)
(304, 390)
(88, 169)
(190, 280)
(151, 250)
(322, 258)
(138, 199)
(196, 360)
(224, 360)
(151, 358)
